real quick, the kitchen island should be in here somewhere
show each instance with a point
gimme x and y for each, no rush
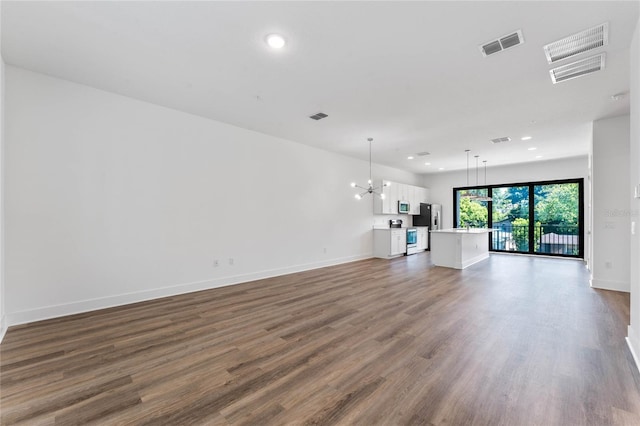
(459, 247)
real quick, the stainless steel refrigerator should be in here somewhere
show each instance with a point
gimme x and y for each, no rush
(430, 215)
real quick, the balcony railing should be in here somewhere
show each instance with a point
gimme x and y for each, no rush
(548, 239)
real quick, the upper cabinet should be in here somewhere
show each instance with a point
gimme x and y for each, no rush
(395, 192)
(420, 195)
(386, 205)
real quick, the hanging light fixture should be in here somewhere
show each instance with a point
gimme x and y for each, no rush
(468, 194)
(370, 189)
(482, 197)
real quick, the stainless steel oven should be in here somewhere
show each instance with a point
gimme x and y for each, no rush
(412, 241)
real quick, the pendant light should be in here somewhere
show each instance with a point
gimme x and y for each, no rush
(370, 189)
(482, 197)
(468, 194)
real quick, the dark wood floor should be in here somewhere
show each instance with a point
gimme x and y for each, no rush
(511, 341)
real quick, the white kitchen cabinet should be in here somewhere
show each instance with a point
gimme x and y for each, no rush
(421, 196)
(388, 205)
(388, 243)
(402, 192)
(423, 237)
(415, 199)
(409, 193)
(395, 192)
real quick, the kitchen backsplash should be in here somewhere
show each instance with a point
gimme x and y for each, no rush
(382, 220)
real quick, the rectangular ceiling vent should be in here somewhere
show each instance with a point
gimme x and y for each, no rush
(578, 68)
(581, 42)
(318, 116)
(501, 140)
(502, 43)
(422, 154)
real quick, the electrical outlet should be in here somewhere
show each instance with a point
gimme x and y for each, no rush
(216, 263)
(231, 261)
(324, 250)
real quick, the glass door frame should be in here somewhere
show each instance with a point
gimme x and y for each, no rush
(530, 185)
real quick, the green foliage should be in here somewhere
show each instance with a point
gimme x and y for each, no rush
(501, 204)
(520, 234)
(510, 203)
(558, 204)
(473, 214)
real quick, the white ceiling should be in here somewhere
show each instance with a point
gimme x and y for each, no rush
(408, 74)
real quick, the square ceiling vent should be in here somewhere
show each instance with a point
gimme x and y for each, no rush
(575, 44)
(318, 116)
(502, 43)
(577, 69)
(501, 140)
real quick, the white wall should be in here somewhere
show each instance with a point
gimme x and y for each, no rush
(110, 200)
(634, 204)
(610, 177)
(3, 322)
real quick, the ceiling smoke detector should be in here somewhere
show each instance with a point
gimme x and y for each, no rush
(577, 69)
(318, 116)
(575, 44)
(502, 43)
(501, 140)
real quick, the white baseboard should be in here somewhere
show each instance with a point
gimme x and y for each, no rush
(78, 307)
(610, 285)
(472, 261)
(632, 342)
(3, 327)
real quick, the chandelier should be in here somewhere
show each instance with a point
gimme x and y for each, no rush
(369, 189)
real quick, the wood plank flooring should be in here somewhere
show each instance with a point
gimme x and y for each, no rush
(510, 341)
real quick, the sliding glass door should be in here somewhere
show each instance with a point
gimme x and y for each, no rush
(510, 218)
(557, 219)
(534, 217)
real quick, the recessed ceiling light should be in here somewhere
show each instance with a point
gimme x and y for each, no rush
(525, 138)
(538, 156)
(427, 164)
(441, 168)
(410, 157)
(275, 41)
(533, 148)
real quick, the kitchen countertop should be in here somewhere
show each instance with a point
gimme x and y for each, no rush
(378, 228)
(464, 231)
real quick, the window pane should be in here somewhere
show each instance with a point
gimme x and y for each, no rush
(471, 212)
(557, 215)
(510, 218)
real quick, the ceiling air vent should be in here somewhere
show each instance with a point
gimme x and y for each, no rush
(501, 140)
(502, 43)
(422, 154)
(577, 69)
(318, 116)
(578, 43)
